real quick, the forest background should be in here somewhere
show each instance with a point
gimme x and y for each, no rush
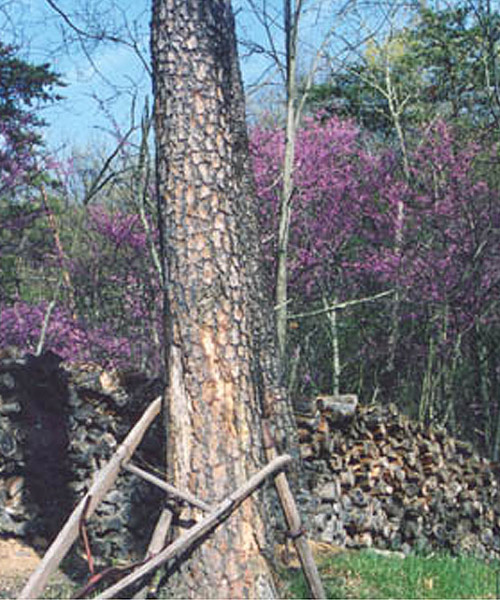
(393, 254)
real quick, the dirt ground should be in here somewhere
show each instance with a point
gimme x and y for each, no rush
(17, 562)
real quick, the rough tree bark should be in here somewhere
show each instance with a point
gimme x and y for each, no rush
(218, 344)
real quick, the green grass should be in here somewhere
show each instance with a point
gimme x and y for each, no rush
(365, 574)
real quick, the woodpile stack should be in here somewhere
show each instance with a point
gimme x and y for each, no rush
(59, 423)
(373, 476)
(380, 479)
(33, 460)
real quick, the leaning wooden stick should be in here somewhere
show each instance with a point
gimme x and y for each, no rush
(170, 489)
(221, 512)
(156, 544)
(294, 522)
(102, 483)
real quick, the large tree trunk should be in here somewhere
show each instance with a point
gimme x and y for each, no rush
(215, 338)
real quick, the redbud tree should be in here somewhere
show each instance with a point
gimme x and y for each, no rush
(344, 218)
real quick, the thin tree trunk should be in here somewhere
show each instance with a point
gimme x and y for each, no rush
(214, 356)
(267, 375)
(427, 394)
(450, 395)
(291, 24)
(395, 111)
(482, 361)
(493, 378)
(66, 277)
(334, 338)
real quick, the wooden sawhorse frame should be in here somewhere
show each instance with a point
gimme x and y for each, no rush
(216, 515)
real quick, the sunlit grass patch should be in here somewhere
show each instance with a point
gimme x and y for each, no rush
(367, 574)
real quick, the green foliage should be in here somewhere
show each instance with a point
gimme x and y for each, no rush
(366, 574)
(22, 85)
(23, 232)
(457, 50)
(444, 65)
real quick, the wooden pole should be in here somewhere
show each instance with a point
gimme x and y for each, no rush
(221, 512)
(103, 481)
(159, 536)
(157, 543)
(294, 522)
(170, 489)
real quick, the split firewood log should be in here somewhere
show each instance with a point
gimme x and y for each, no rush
(340, 409)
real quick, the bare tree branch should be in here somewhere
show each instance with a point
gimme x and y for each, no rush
(339, 305)
(102, 36)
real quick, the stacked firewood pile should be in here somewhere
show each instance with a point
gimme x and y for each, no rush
(59, 423)
(373, 477)
(382, 480)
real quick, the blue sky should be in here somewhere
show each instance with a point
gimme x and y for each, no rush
(103, 78)
(100, 80)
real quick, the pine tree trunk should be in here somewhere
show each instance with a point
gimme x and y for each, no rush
(215, 340)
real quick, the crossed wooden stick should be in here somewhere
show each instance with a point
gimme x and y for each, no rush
(216, 515)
